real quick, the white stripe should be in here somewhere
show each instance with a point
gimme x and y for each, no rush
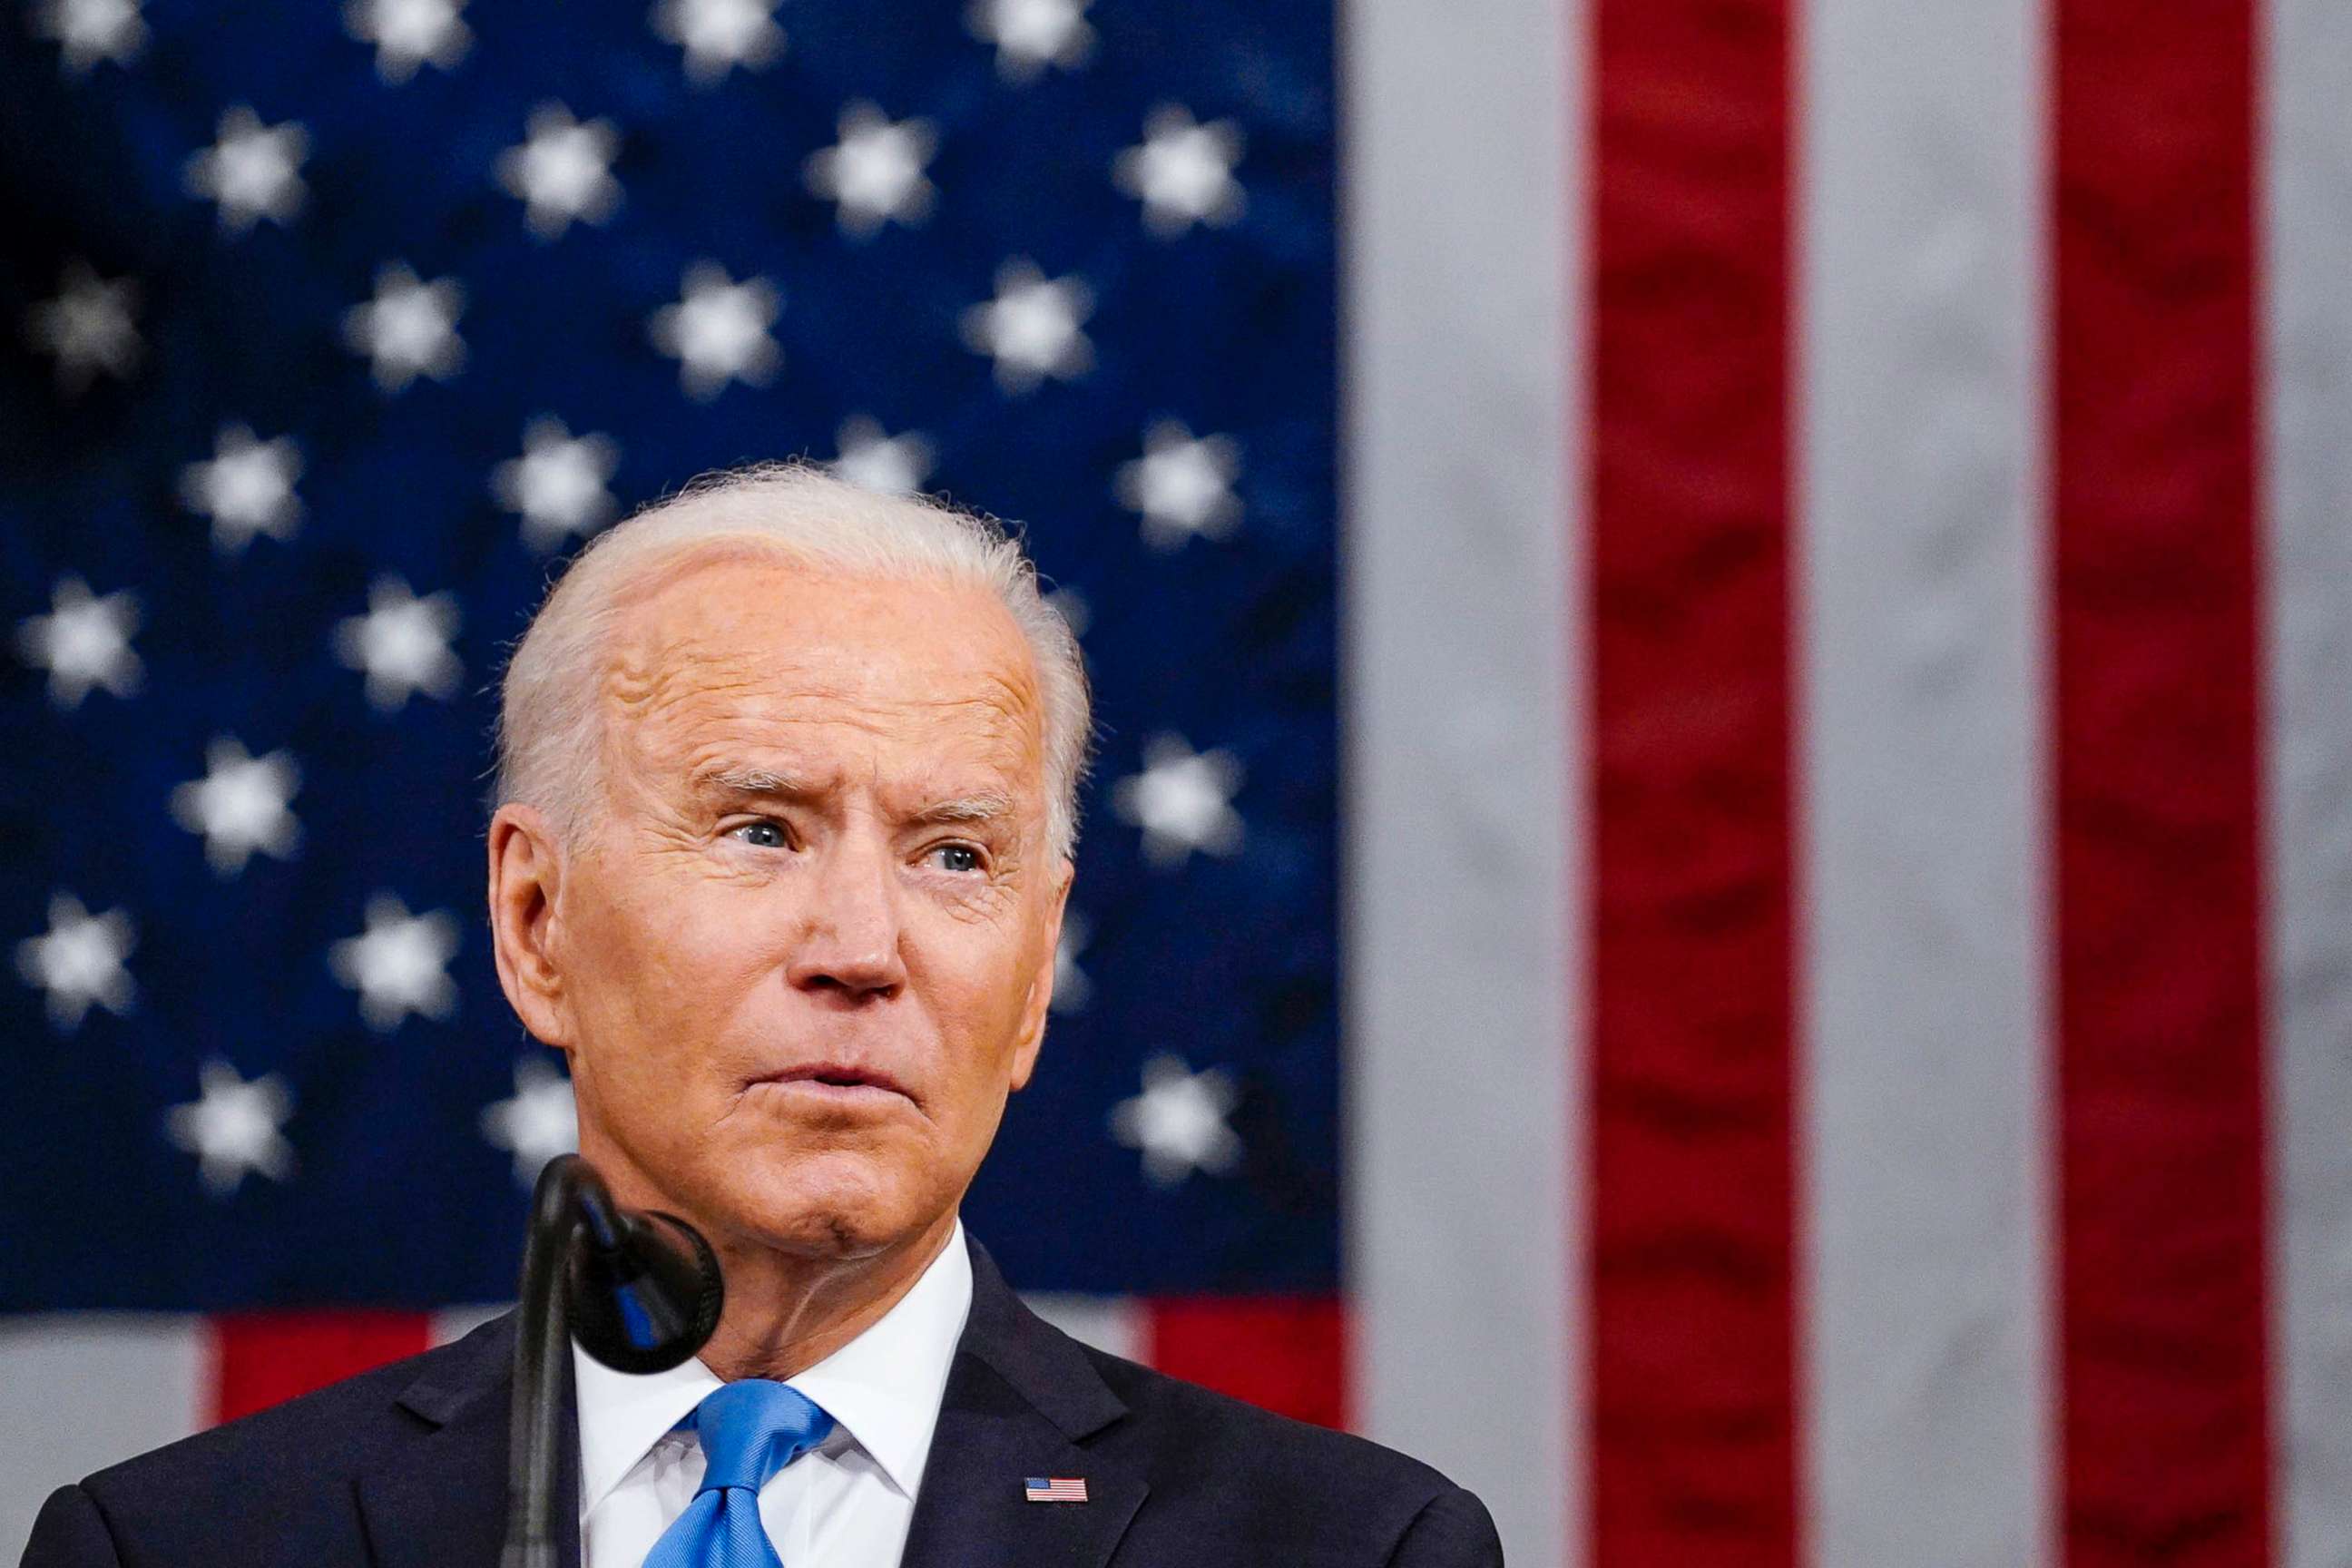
(1111, 1323)
(2307, 81)
(1925, 1390)
(1463, 1227)
(82, 1391)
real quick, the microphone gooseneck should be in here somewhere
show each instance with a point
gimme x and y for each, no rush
(641, 1292)
(645, 1287)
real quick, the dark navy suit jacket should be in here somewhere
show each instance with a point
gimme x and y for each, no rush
(406, 1468)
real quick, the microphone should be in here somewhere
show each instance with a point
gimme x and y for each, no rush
(641, 1292)
(645, 1287)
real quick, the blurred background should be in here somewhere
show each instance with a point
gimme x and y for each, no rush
(1718, 891)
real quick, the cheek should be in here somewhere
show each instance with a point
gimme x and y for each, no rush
(979, 997)
(662, 980)
(970, 971)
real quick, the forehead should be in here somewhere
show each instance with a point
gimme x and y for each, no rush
(734, 659)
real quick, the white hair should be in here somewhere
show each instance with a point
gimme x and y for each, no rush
(550, 721)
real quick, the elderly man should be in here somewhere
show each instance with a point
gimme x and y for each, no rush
(788, 775)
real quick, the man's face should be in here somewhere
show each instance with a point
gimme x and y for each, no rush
(806, 953)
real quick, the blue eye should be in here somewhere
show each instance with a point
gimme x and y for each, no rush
(970, 861)
(777, 841)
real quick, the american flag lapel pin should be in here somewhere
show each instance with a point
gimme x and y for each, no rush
(1056, 1489)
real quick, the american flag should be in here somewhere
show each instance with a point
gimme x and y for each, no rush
(1059, 1489)
(1799, 806)
(328, 330)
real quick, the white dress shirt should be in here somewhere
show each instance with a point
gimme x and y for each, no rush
(845, 1504)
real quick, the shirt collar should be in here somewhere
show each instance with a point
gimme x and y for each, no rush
(622, 1416)
(884, 1387)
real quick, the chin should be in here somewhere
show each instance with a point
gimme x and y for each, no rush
(835, 1204)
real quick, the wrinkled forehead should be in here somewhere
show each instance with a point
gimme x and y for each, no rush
(757, 663)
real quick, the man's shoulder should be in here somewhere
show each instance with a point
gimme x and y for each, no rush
(1194, 1415)
(344, 1423)
(285, 1472)
(1257, 1475)
(1221, 1481)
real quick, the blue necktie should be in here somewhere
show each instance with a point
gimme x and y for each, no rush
(750, 1430)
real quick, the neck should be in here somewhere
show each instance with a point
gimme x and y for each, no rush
(786, 1309)
(787, 1312)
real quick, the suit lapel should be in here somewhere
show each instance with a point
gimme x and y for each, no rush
(440, 1501)
(1020, 1398)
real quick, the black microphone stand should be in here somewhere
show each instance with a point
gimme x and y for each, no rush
(641, 1292)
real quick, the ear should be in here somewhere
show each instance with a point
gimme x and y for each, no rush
(1041, 983)
(526, 876)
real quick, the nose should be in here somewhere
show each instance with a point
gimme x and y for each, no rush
(847, 940)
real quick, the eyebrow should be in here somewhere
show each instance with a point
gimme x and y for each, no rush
(982, 808)
(751, 781)
(971, 808)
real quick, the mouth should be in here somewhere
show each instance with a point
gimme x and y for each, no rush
(841, 1083)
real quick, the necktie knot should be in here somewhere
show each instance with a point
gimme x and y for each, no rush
(753, 1428)
(750, 1429)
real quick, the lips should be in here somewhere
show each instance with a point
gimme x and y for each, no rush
(846, 1078)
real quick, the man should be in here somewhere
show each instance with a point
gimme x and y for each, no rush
(788, 775)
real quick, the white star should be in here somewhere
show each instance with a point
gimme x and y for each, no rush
(1071, 986)
(1179, 1122)
(1183, 802)
(246, 488)
(240, 805)
(87, 327)
(1182, 172)
(79, 961)
(233, 1127)
(719, 35)
(409, 33)
(409, 328)
(1032, 327)
(252, 170)
(876, 171)
(897, 465)
(402, 643)
(1030, 34)
(717, 331)
(539, 1124)
(83, 642)
(90, 31)
(562, 170)
(397, 966)
(557, 483)
(1182, 486)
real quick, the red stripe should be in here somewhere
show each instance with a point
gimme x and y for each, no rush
(1692, 1441)
(2161, 1208)
(1285, 1354)
(261, 1357)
